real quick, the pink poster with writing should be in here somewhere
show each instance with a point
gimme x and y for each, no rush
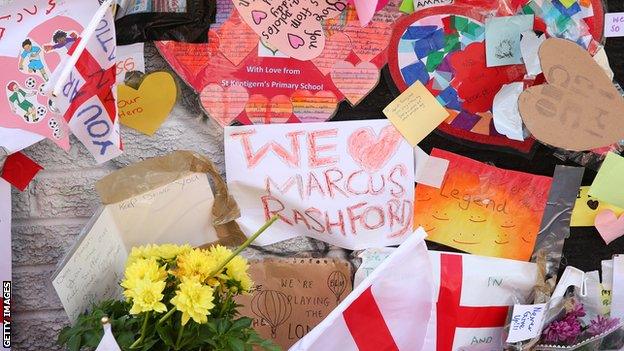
(350, 184)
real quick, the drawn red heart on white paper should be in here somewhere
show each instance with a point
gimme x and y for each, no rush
(294, 27)
(609, 225)
(355, 82)
(224, 105)
(372, 152)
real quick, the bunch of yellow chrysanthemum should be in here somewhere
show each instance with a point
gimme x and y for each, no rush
(191, 276)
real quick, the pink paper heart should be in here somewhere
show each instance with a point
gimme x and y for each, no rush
(224, 105)
(261, 110)
(237, 40)
(372, 152)
(355, 82)
(310, 107)
(337, 48)
(292, 27)
(609, 225)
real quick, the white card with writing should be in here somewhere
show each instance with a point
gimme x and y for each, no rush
(129, 58)
(526, 322)
(350, 184)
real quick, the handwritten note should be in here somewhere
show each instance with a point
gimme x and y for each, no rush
(94, 269)
(355, 81)
(292, 296)
(147, 107)
(607, 184)
(347, 183)
(293, 27)
(614, 24)
(129, 58)
(415, 113)
(526, 322)
(371, 259)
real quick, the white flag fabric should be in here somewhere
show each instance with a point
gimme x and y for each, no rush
(108, 342)
(390, 310)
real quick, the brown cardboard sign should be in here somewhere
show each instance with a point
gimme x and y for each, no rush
(292, 296)
(578, 108)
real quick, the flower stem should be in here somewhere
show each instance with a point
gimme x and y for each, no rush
(166, 316)
(180, 333)
(143, 329)
(244, 245)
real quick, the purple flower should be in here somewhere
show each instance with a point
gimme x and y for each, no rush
(601, 324)
(564, 330)
(577, 311)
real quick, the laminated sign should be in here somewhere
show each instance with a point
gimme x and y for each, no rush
(347, 183)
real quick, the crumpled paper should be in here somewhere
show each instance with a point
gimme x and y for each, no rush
(505, 113)
(155, 172)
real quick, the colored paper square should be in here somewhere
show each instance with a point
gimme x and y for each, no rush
(418, 32)
(607, 185)
(465, 120)
(434, 60)
(415, 72)
(502, 39)
(567, 11)
(19, 170)
(449, 96)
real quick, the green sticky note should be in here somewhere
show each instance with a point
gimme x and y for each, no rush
(407, 6)
(608, 185)
(567, 3)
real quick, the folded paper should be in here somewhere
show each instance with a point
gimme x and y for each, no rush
(19, 170)
(346, 183)
(529, 47)
(505, 111)
(609, 225)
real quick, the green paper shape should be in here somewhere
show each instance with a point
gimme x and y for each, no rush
(434, 60)
(451, 43)
(459, 22)
(607, 185)
(407, 6)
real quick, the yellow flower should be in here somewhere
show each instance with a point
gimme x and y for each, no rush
(147, 296)
(194, 300)
(142, 270)
(165, 252)
(236, 269)
(195, 264)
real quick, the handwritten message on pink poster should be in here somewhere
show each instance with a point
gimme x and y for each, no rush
(347, 183)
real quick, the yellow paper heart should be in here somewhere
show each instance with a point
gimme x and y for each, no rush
(146, 108)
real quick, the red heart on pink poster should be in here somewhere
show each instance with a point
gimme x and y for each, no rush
(372, 152)
(370, 41)
(355, 82)
(337, 48)
(192, 58)
(224, 105)
(261, 110)
(292, 27)
(609, 225)
(237, 40)
(309, 107)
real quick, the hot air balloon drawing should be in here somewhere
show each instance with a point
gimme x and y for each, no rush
(272, 306)
(337, 283)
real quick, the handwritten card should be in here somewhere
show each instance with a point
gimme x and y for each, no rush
(607, 185)
(346, 183)
(292, 296)
(526, 322)
(178, 212)
(587, 207)
(502, 39)
(614, 24)
(482, 209)
(129, 58)
(415, 113)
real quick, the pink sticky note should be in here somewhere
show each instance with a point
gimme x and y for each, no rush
(614, 24)
(609, 225)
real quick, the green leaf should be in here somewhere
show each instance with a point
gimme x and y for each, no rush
(74, 343)
(165, 332)
(236, 344)
(241, 323)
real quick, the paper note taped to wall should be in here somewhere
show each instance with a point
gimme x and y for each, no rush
(292, 296)
(587, 207)
(346, 183)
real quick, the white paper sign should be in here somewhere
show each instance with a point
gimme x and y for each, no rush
(178, 213)
(526, 322)
(617, 294)
(350, 184)
(614, 24)
(129, 58)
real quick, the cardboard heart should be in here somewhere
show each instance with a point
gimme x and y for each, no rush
(147, 107)
(310, 107)
(223, 105)
(262, 111)
(337, 48)
(292, 27)
(355, 82)
(609, 225)
(372, 152)
(578, 108)
(236, 39)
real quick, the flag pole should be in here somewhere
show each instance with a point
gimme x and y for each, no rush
(85, 36)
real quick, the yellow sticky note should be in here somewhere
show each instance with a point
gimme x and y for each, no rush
(146, 108)
(415, 113)
(587, 207)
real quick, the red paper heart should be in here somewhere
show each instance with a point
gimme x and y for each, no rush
(337, 48)
(372, 152)
(355, 82)
(237, 40)
(262, 111)
(224, 105)
(310, 107)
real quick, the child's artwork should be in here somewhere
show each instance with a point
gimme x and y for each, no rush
(346, 183)
(502, 39)
(587, 207)
(242, 78)
(444, 48)
(291, 296)
(482, 209)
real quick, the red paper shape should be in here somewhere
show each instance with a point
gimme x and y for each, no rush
(19, 170)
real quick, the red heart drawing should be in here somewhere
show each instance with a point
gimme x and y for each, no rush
(237, 40)
(355, 82)
(337, 48)
(186, 54)
(609, 225)
(369, 41)
(310, 107)
(262, 111)
(371, 152)
(224, 105)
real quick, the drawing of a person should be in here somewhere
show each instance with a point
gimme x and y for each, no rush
(61, 40)
(17, 101)
(33, 55)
